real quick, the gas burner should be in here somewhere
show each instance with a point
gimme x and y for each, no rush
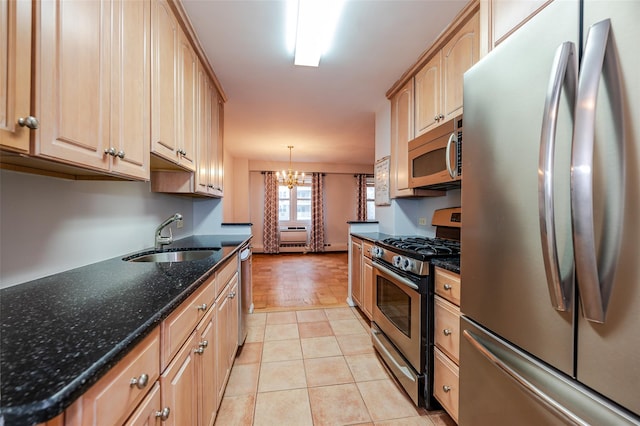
(424, 246)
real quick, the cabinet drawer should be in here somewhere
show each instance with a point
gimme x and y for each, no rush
(447, 328)
(224, 274)
(366, 249)
(113, 398)
(181, 323)
(445, 383)
(148, 412)
(447, 285)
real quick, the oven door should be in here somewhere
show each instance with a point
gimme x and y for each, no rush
(398, 311)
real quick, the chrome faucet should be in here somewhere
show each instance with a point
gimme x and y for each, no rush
(163, 241)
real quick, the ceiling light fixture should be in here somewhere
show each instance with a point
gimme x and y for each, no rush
(290, 178)
(311, 23)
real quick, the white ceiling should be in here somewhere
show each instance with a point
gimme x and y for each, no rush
(326, 113)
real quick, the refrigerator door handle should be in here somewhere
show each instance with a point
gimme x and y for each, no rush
(551, 404)
(564, 72)
(595, 276)
(453, 173)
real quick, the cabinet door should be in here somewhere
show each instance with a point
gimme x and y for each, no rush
(356, 271)
(188, 77)
(179, 386)
(208, 400)
(130, 88)
(149, 411)
(15, 73)
(428, 100)
(367, 288)
(204, 132)
(222, 330)
(458, 55)
(401, 133)
(218, 142)
(72, 81)
(164, 81)
(232, 327)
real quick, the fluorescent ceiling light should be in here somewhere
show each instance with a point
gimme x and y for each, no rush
(311, 23)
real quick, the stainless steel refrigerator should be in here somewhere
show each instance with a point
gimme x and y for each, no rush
(550, 254)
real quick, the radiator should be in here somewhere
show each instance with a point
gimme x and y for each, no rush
(294, 239)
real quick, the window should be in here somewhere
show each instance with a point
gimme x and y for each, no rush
(371, 199)
(294, 205)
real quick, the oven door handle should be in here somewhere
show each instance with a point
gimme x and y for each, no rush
(401, 280)
(404, 370)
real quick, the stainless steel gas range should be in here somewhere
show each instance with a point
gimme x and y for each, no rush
(402, 327)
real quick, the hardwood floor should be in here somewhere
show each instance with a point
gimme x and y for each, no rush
(299, 281)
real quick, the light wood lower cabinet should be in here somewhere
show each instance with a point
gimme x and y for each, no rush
(112, 399)
(177, 375)
(367, 280)
(179, 386)
(355, 268)
(446, 332)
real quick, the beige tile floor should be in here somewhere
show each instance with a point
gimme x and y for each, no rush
(315, 367)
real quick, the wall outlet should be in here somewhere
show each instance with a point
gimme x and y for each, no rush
(422, 221)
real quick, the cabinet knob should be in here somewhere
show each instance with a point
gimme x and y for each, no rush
(139, 382)
(440, 117)
(119, 154)
(199, 351)
(204, 343)
(110, 151)
(202, 307)
(446, 332)
(446, 388)
(31, 122)
(232, 295)
(435, 118)
(164, 414)
(447, 287)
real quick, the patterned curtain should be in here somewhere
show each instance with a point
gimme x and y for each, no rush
(362, 197)
(270, 231)
(316, 242)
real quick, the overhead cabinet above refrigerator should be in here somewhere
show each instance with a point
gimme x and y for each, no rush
(551, 310)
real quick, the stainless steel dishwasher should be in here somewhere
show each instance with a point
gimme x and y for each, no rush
(246, 294)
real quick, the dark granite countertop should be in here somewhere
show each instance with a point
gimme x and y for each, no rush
(449, 263)
(61, 333)
(371, 236)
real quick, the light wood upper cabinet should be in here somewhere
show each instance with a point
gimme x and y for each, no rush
(458, 55)
(428, 95)
(15, 73)
(91, 85)
(401, 134)
(165, 35)
(438, 84)
(188, 133)
(72, 82)
(131, 88)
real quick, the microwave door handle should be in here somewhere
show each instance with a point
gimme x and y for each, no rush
(564, 72)
(595, 276)
(453, 173)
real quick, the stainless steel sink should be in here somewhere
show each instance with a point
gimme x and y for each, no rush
(172, 256)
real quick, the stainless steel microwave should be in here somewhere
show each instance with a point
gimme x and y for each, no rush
(435, 158)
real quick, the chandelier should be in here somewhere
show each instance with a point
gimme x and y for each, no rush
(290, 178)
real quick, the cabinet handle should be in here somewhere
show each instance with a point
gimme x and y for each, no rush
(164, 414)
(202, 307)
(446, 332)
(119, 154)
(110, 151)
(139, 382)
(446, 388)
(199, 351)
(232, 295)
(30, 122)
(447, 287)
(204, 344)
